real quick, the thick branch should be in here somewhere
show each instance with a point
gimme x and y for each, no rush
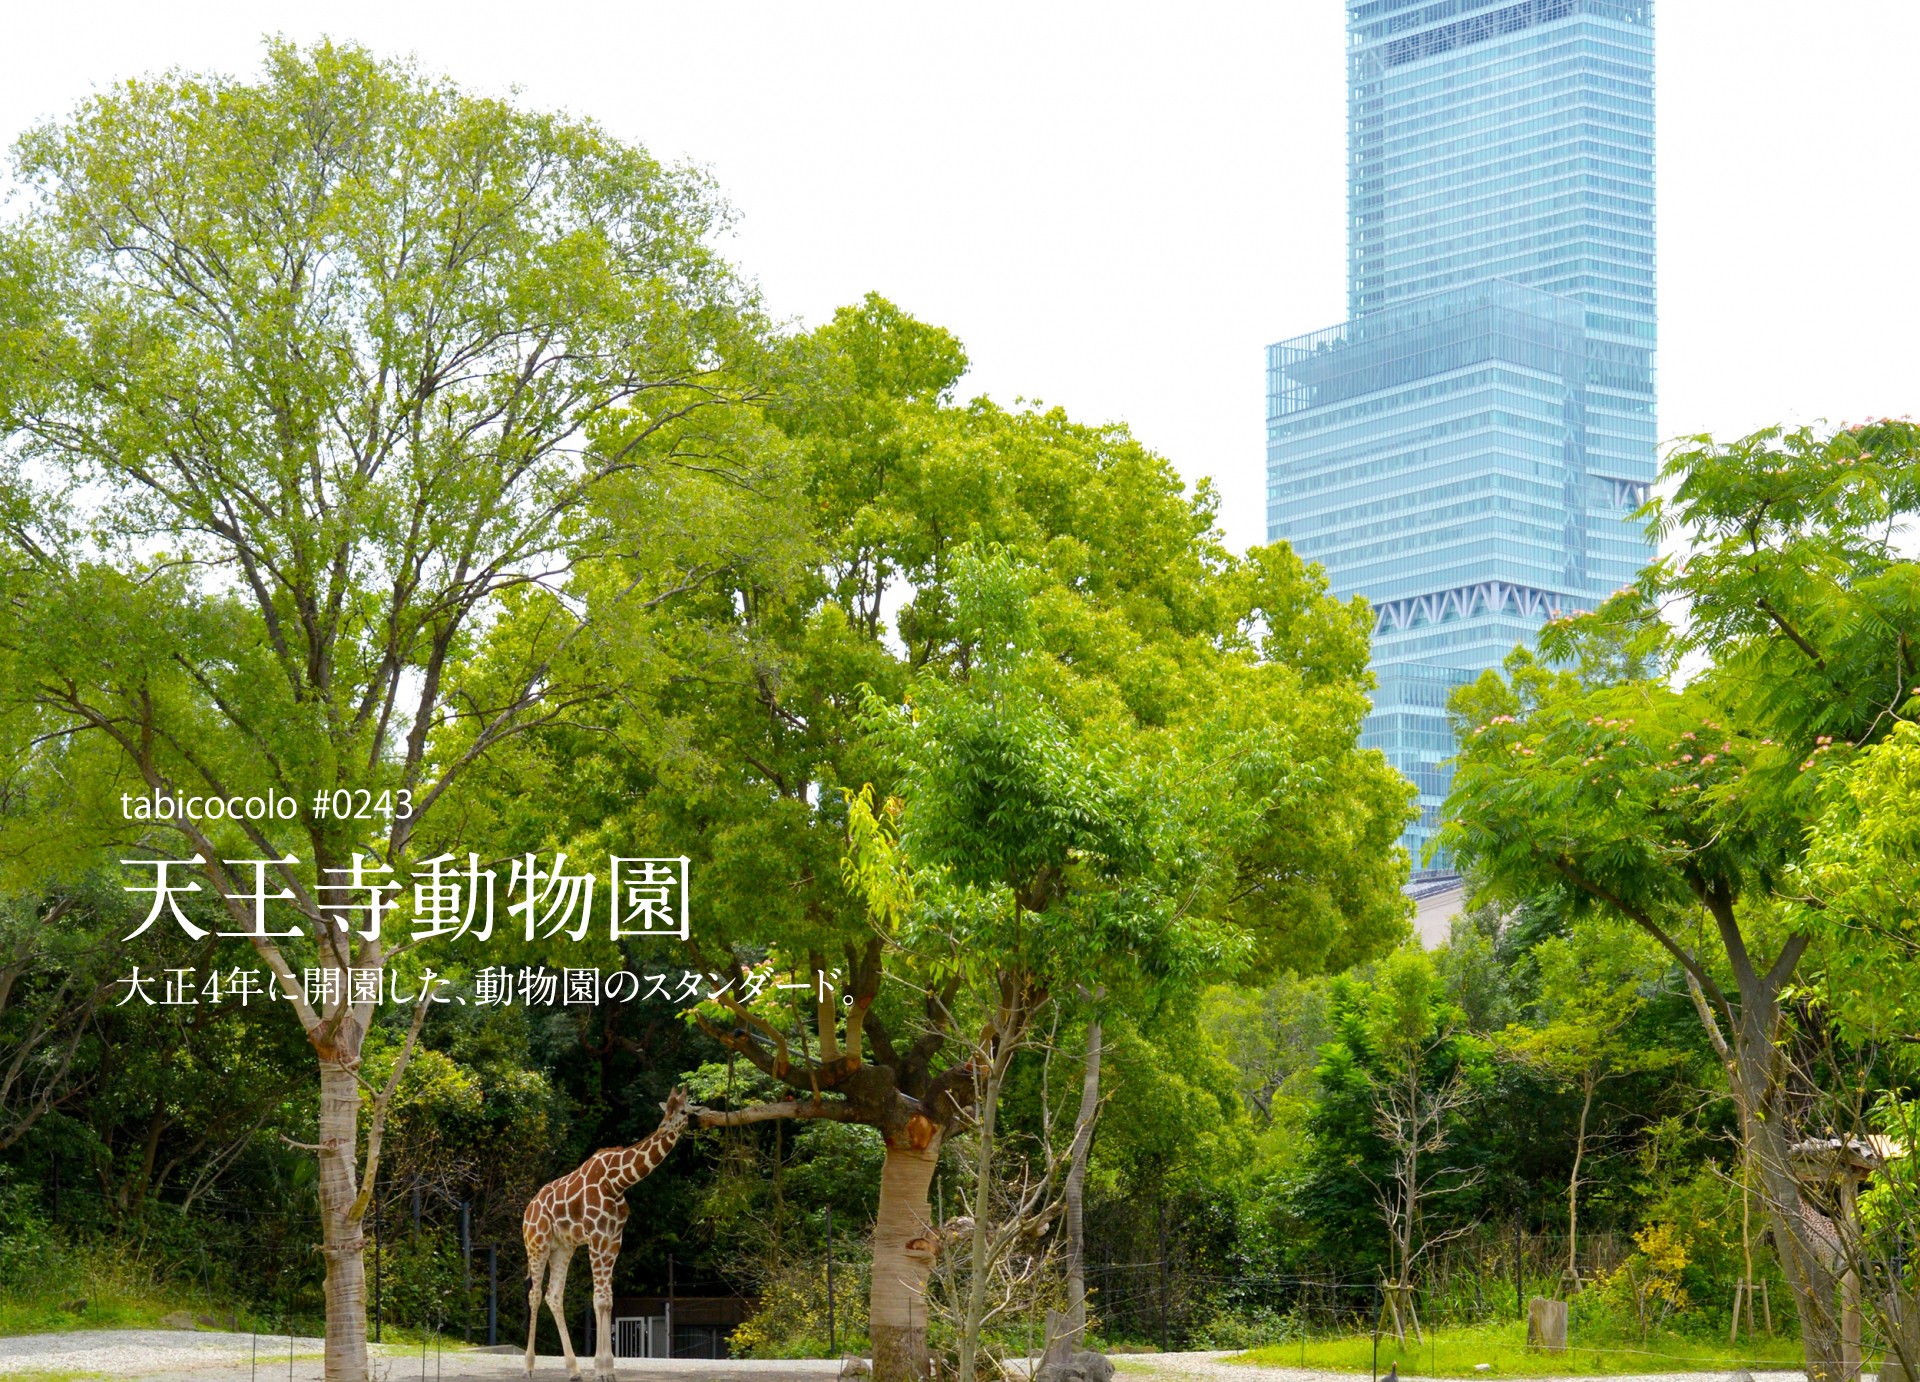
(767, 1113)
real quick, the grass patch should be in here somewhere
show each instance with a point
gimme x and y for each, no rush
(1457, 1352)
(54, 1313)
(54, 1285)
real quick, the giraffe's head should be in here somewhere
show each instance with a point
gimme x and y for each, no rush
(674, 1112)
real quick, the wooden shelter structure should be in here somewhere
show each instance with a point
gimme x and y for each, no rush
(1833, 1170)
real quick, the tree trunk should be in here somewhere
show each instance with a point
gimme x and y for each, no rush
(904, 1244)
(1410, 1202)
(1810, 1275)
(982, 1216)
(1755, 1073)
(1067, 1333)
(340, 1219)
(1573, 1190)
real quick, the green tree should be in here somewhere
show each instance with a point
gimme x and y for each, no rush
(1593, 984)
(745, 755)
(1683, 808)
(1144, 634)
(1856, 891)
(321, 370)
(1640, 803)
(1395, 1082)
(1055, 846)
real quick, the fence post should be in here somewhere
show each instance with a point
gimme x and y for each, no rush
(466, 1273)
(493, 1295)
(1379, 1307)
(1163, 1272)
(1519, 1284)
(376, 1257)
(830, 1322)
(670, 1292)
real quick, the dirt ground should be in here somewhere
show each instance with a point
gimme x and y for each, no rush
(161, 1355)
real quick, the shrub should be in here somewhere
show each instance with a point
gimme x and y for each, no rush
(791, 1321)
(1252, 1329)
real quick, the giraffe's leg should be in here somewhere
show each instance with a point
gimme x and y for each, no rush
(557, 1301)
(536, 1268)
(602, 1254)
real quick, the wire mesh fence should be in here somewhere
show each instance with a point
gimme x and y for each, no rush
(1169, 1278)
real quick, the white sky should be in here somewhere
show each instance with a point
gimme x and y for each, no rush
(1116, 207)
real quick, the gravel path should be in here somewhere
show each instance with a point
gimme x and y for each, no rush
(165, 1355)
(130, 1353)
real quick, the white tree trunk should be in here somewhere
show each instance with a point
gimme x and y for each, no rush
(904, 1243)
(340, 1220)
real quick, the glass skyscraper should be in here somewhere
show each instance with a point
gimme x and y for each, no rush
(1467, 451)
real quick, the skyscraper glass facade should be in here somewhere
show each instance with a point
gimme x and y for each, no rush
(1468, 450)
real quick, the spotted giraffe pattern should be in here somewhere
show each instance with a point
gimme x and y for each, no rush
(588, 1208)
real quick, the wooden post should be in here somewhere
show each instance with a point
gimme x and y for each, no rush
(1743, 1295)
(1399, 1302)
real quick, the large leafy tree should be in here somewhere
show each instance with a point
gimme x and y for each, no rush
(1681, 805)
(1138, 641)
(313, 375)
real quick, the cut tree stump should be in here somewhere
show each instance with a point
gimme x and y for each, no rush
(1547, 1324)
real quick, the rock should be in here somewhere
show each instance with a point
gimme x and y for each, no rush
(1547, 1324)
(1483, 1367)
(179, 1319)
(1081, 1367)
(1742, 1375)
(851, 1366)
(75, 1307)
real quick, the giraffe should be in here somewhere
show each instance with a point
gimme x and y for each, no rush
(589, 1206)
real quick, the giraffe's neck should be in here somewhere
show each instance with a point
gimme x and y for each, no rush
(641, 1158)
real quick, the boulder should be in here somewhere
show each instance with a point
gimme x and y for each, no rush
(851, 1366)
(1085, 1366)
